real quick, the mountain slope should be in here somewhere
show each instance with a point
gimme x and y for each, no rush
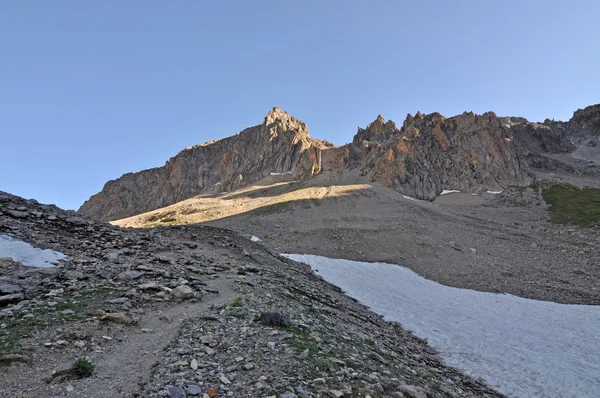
(490, 242)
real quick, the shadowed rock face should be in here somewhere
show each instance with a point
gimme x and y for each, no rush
(428, 154)
(585, 122)
(281, 144)
(584, 132)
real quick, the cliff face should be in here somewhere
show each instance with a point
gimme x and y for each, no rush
(431, 153)
(281, 144)
(428, 154)
(585, 123)
(584, 132)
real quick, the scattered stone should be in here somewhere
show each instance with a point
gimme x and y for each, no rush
(210, 289)
(249, 366)
(119, 300)
(207, 339)
(96, 312)
(176, 392)
(116, 317)
(413, 391)
(275, 318)
(130, 275)
(183, 292)
(304, 354)
(11, 358)
(11, 298)
(10, 289)
(149, 286)
(18, 214)
(194, 390)
(224, 379)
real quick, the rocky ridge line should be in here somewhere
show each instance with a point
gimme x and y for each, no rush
(429, 153)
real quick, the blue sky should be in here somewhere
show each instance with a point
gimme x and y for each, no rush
(93, 90)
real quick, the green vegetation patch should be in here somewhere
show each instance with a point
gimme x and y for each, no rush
(572, 205)
(83, 367)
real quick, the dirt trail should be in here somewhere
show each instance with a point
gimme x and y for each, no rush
(127, 362)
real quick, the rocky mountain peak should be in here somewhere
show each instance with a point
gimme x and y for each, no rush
(276, 115)
(278, 121)
(378, 131)
(586, 121)
(281, 144)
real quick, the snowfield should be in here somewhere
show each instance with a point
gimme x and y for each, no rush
(28, 255)
(447, 191)
(521, 347)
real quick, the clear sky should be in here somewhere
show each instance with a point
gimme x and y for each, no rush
(90, 90)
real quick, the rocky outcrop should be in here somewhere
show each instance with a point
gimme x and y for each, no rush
(281, 144)
(584, 132)
(536, 138)
(585, 123)
(431, 153)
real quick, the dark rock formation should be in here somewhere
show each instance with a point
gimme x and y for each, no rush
(584, 132)
(547, 137)
(585, 123)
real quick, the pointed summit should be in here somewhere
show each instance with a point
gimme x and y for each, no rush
(277, 114)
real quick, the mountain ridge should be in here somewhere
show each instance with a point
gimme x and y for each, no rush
(428, 154)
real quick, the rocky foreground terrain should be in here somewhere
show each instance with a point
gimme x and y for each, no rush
(192, 311)
(429, 153)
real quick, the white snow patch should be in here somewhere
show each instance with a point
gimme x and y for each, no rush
(224, 193)
(28, 255)
(217, 184)
(447, 191)
(255, 239)
(522, 347)
(494, 192)
(279, 174)
(409, 198)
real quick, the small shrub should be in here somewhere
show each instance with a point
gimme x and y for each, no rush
(83, 367)
(237, 302)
